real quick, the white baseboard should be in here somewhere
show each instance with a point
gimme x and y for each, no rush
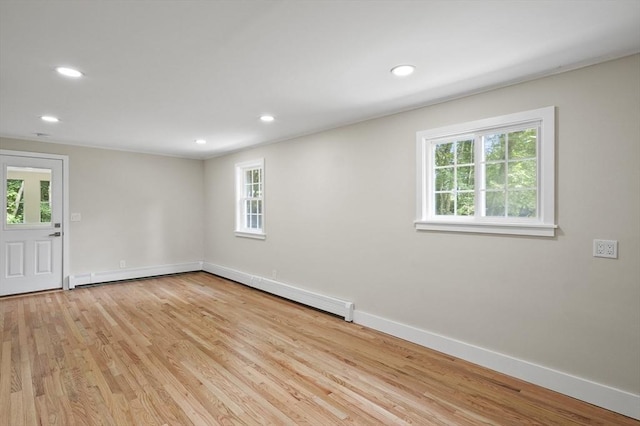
(335, 306)
(132, 273)
(594, 393)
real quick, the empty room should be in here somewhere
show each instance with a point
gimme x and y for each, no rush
(345, 212)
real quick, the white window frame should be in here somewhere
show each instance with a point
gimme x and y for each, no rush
(542, 225)
(241, 229)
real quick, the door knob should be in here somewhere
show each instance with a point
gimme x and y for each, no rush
(55, 234)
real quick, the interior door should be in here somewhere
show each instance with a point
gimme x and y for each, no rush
(31, 238)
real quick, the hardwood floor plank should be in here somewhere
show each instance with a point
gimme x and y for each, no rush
(195, 349)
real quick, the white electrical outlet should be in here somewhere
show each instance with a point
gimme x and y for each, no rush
(605, 248)
(123, 264)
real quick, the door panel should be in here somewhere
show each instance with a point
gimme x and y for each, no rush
(31, 240)
(44, 254)
(15, 260)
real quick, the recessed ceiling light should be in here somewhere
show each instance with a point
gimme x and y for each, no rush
(403, 70)
(69, 72)
(50, 119)
(267, 118)
(201, 141)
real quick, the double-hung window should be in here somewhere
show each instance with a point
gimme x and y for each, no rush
(250, 199)
(495, 175)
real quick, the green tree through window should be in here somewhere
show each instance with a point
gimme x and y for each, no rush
(15, 201)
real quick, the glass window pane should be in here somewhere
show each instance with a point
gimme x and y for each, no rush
(522, 203)
(444, 179)
(465, 152)
(256, 190)
(494, 176)
(522, 144)
(466, 177)
(259, 206)
(28, 195)
(248, 177)
(259, 224)
(522, 174)
(494, 147)
(495, 203)
(15, 201)
(444, 154)
(445, 204)
(466, 202)
(45, 206)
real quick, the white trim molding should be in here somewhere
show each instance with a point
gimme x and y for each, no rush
(131, 273)
(342, 308)
(585, 390)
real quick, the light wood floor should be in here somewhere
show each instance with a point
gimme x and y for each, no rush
(196, 349)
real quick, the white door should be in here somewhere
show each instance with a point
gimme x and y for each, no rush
(31, 237)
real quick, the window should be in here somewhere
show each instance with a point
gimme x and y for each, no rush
(45, 201)
(250, 199)
(15, 201)
(489, 176)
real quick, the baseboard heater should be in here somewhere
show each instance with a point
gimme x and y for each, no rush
(332, 305)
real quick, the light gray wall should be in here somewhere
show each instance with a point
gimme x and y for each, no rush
(144, 209)
(340, 207)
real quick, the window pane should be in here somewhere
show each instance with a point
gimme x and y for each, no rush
(494, 176)
(259, 206)
(444, 154)
(494, 203)
(494, 147)
(248, 177)
(466, 177)
(15, 201)
(45, 206)
(259, 217)
(522, 203)
(522, 174)
(465, 152)
(248, 190)
(522, 144)
(444, 204)
(466, 202)
(256, 190)
(444, 179)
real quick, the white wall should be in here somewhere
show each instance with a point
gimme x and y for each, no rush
(144, 209)
(340, 207)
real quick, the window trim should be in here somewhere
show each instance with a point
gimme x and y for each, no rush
(543, 225)
(240, 229)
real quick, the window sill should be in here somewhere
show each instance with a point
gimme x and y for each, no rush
(254, 235)
(536, 230)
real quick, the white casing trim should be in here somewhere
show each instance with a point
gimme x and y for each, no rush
(132, 273)
(594, 393)
(335, 306)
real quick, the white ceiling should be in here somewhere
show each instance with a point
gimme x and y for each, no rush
(160, 74)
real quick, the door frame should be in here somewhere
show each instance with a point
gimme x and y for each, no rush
(65, 204)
